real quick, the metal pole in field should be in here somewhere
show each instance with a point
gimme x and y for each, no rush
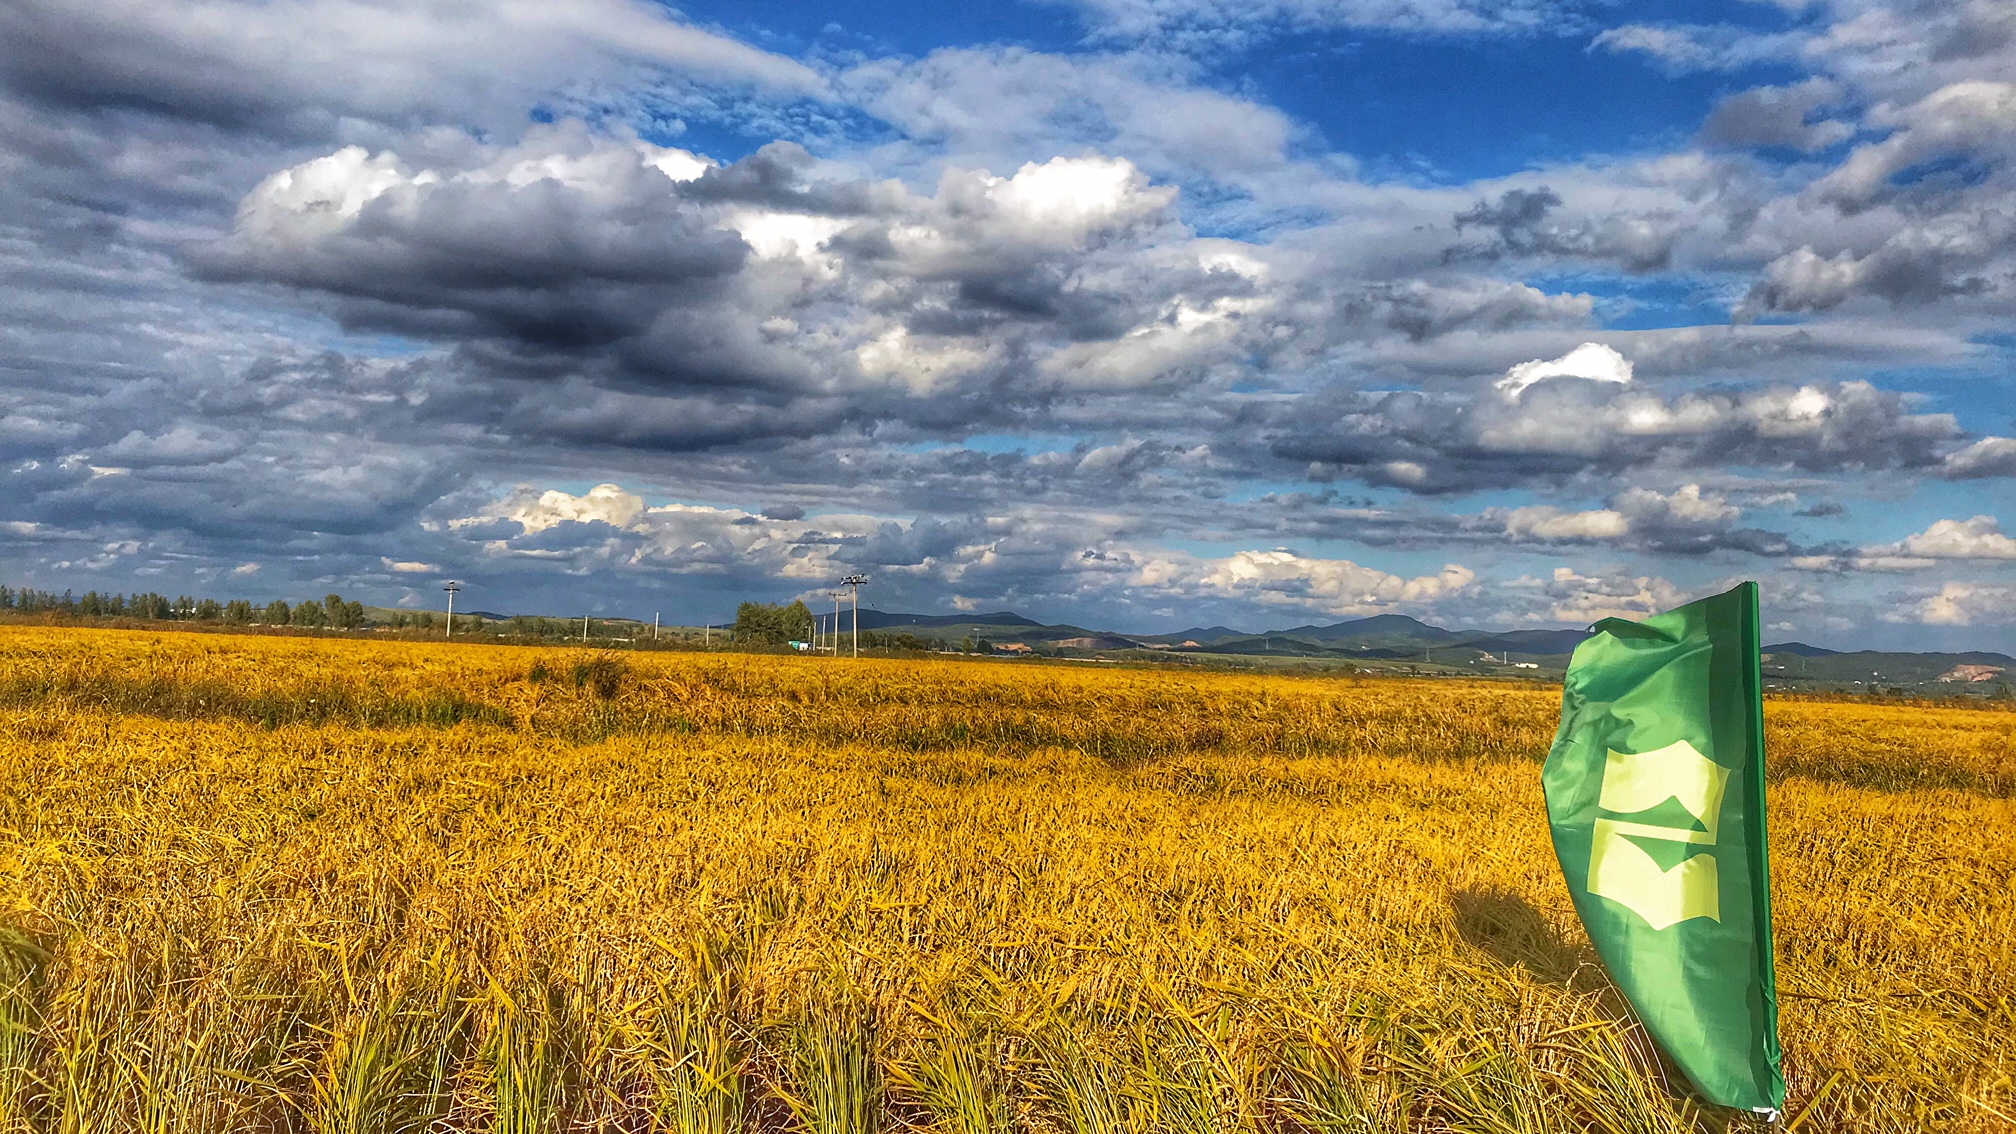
(452, 588)
(855, 582)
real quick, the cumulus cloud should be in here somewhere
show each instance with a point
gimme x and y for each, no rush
(1977, 538)
(1026, 554)
(1934, 190)
(1549, 523)
(1285, 578)
(1975, 116)
(1594, 362)
(1990, 456)
(1554, 430)
(1960, 604)
(643, 264)
(1567, 595)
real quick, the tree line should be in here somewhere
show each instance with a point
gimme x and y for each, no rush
(756, 623)
(332, 611)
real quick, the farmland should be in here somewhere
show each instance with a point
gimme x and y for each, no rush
(347, 886)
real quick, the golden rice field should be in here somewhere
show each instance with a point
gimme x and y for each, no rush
(252, 884)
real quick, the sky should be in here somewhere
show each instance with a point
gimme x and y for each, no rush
(1137, 314)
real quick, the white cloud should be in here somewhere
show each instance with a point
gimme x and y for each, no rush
(1285, 578)
(1700, 47)
(1572, 597)
(1960, 604)
(1687, 505)
(604, 503)
(1990, 456)
(1593, 361)
(408, 567)
(1976, 538)
(1960, 117)
(1545, 522)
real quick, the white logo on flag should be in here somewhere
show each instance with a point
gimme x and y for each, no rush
(1622, 871)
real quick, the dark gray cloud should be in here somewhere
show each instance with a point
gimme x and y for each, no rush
(1786, 116)
(1568, 428)
(302, 69)
(1527, 223)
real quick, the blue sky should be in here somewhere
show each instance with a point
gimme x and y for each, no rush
(1133, 313)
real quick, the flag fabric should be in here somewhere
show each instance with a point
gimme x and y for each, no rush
(1655, 791)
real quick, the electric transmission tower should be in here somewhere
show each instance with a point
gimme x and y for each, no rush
(854, 583)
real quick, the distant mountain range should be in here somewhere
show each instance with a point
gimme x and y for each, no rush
(1381, 636)
(1398, 638)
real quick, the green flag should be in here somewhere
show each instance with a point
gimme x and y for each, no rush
(1655, 790)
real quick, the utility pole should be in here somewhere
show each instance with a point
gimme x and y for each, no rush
(452, 588)
(654, 625)
(855, 582)
(584, 629)
(834, 637)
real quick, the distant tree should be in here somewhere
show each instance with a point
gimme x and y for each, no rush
(310, 613)
(151, 606)
(771, 624)
(183, 608)
(90, 604)
(115, 604)
(343, 615)
(238, 612)
(892, 640)
(208, 610)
